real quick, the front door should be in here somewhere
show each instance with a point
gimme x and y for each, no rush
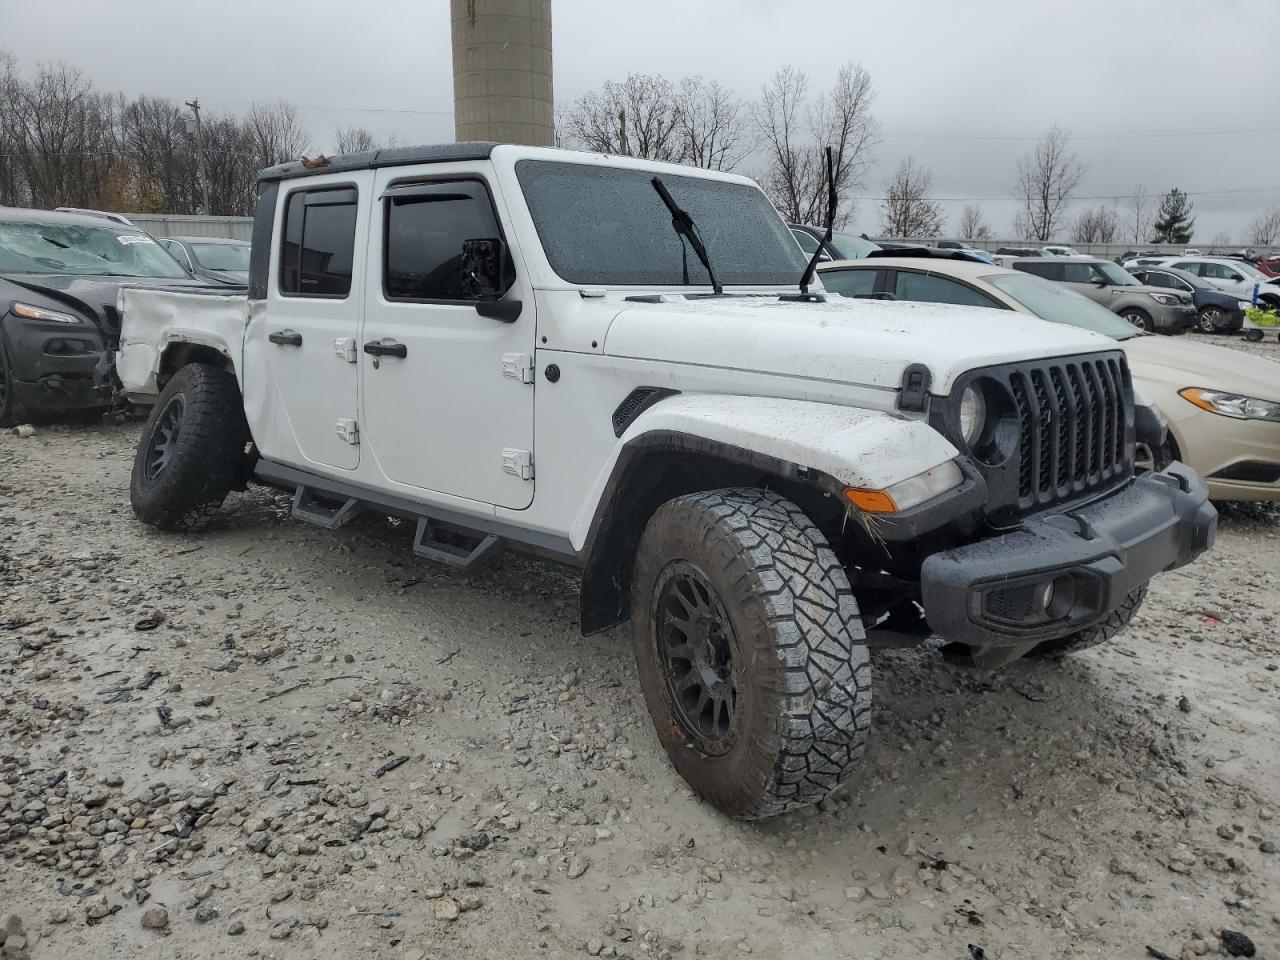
(306, 336)
(447, 389)
(1086, 279)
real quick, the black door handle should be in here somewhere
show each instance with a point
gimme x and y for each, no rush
(386, 348)
(286, 338)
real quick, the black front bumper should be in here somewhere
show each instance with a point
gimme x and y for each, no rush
(1066, 569)
(54, 364)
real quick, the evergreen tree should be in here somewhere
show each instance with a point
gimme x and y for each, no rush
(1174, 223)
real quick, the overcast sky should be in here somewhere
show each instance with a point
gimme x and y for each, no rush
(1161, 92)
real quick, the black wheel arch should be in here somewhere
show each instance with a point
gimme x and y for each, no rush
(179, 353)
(658, 466)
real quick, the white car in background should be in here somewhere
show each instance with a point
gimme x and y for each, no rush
(1058, 250)
(1237, 277)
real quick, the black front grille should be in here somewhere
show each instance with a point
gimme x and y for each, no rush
(1072, 427)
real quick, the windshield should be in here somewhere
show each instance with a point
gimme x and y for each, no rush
(1057, 304)
(606, 225)
(222, 256)
(1248, 269)
(1117, 275)
(850, 247)
(67, 248)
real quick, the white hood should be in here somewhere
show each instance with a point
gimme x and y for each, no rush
(869, 342)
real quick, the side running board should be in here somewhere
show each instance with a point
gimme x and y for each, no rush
(460, 558)
(307, 506)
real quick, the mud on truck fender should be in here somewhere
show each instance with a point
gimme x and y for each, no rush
(687, 443)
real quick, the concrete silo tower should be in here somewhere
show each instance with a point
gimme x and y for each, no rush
(502, 71)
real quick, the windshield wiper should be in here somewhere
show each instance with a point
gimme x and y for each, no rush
(687, 230)
(806, 278)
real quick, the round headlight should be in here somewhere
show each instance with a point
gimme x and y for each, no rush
(973, 414)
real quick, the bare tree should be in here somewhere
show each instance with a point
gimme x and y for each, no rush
(276, 133)
(713, 124)
(907, 210)
(1265, 230)
(1047, 179)
(1140, 216)
(355, 140)
(638, 117)
(1221, 239)
(795, 131)
(1096, 225)
(972, 226)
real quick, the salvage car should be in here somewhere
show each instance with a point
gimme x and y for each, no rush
(1237, 277)
(1156, 310)
(1221, 407)
(1216, 310)
(629, 366)
(59, 277)
(216, 259)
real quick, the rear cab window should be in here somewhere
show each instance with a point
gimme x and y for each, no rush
(317, 244)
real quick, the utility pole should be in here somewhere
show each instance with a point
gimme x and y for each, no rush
(502, 71)
(204, 174)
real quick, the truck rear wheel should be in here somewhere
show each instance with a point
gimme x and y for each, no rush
(1116, 621)
(191, 450)
(750, 650)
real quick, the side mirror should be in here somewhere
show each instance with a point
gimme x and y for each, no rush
(1100, 281)
(484, 269)
(487, 275)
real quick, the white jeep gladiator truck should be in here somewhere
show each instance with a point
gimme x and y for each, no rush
(607, 361)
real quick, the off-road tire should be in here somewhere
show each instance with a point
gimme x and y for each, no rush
(1116, 621)
(11, 411)
(799, 663)
(206, 455)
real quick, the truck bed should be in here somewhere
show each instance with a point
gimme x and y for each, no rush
(151, 319)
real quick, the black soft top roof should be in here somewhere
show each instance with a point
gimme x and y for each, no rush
(386, 157)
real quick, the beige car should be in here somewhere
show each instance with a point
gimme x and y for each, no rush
(1223, 406)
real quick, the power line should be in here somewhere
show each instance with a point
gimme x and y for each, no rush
(960, 135)
(1119, 195)
(339, 109)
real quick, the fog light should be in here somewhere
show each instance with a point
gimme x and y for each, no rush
(1044, 597)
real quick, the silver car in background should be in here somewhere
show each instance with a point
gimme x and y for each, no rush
(1155, 309)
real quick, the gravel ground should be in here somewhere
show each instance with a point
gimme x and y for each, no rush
(275, 741)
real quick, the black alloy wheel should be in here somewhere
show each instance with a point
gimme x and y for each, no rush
(696, 650)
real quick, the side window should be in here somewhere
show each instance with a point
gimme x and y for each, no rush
(808, 242)
(930, 288)
(1050, 271)
(1154, 279)
(1196, 268)
(426, 224)
(318, 243)
(850, 283)
(1230, 273)
(1079, 272)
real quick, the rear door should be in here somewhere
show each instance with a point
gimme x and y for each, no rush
(306, 335)
(448, 386)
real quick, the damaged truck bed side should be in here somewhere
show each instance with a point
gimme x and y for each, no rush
(605, 361)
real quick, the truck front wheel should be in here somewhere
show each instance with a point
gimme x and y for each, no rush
(191, 450)
(751, 652)
(1116, 621)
